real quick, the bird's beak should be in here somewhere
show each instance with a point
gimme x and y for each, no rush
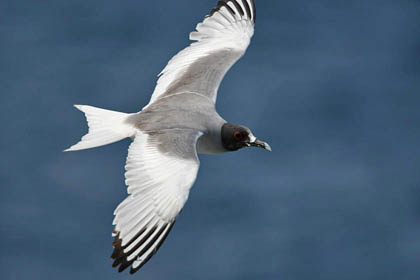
(261, 144)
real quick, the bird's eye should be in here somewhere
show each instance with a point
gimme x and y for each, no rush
(238, 135)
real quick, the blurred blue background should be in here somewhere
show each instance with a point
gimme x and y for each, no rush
(333, 86)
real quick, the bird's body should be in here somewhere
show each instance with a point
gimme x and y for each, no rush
(186, 110)
(179, 122)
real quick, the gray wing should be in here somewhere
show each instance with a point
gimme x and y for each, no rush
(221, 39)
(161, 168)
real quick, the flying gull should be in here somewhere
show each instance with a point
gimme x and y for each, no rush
(179, 122)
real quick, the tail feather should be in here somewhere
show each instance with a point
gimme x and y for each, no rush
(105, 127)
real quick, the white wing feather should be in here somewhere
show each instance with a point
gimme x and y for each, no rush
(221, 39)
(158, 186)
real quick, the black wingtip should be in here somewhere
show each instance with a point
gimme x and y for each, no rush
(238, 7)
(134, 270)
(120, 257)
(221, 4)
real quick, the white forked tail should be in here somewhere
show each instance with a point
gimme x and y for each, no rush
(105, 127)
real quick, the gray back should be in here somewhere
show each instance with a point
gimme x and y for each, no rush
(185, 110)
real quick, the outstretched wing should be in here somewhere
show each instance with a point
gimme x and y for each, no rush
(221, 39)
(161, 168)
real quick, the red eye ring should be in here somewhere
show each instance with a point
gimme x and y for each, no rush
(238, 135)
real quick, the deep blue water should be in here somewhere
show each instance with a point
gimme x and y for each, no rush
(333, 86)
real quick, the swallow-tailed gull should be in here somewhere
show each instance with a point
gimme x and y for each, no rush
(179, 122)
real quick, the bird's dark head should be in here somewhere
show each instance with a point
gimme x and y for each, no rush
(235, 137)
